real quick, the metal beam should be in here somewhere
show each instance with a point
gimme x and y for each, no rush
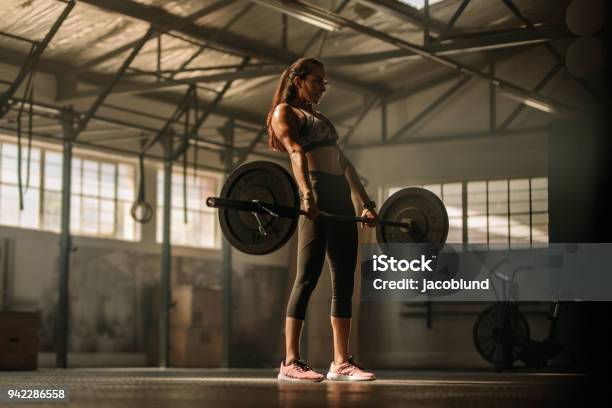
(84, 119)
(450, 75)
(366, 109)
(426, 22)
(486, 41)
(433, 106)
(251, 147)
(507, 88)
(166, 261)
(62, 319)
(449, 137)
(183, 105)
(224, 29)
(319, 33)
(18, 38)
(53, 67)
(515, 10)
(540, 85)
(109, 149)
(489, 41)
(406, 13)
(123, 48)
(209, 109)
(242, 45)
(384, 131)
(33, 59)
(173, 83)
(492, 100)
(226, 260)
(454, 18)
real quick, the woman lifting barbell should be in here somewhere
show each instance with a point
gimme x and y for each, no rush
(325, 178)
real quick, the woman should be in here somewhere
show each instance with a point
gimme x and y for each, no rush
(325, 178)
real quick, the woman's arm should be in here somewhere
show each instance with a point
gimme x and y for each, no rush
(286, 124)
(355, 183)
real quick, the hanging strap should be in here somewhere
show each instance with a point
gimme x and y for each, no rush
(186, 141)
(19, 154)
(147, 211)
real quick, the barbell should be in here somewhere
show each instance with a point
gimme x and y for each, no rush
(259, 208)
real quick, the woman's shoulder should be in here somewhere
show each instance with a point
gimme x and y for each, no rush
(285, 110)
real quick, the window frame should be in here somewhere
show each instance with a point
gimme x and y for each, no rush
(82, 154)
(384, 193)
(218, 177)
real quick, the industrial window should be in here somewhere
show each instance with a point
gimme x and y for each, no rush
(101, 197)
(10, 213)
(196, 227)
(507, 212)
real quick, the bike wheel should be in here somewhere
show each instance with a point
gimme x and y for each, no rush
(488, 331)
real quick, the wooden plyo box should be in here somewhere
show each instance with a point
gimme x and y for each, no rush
(19, 340)
(196, 346)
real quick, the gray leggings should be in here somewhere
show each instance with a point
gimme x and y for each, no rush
(337, 239)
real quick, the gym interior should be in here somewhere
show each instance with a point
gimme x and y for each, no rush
(119, 118)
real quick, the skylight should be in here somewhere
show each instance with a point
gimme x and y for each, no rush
(419, 4)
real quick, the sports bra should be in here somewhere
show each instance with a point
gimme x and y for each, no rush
(316, 132)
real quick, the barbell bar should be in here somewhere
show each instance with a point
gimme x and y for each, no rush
(259, 208)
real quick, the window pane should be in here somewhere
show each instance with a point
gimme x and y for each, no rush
(200, 230)
(477, 210)
(453, 201)
(519, 229)
(9, 205)
(76, 180)
(160, 188)
(53, 171)
(91, 182)
(540, 228)
(107, 176)
(91, 218)
(125, 222)
(75, 214)
(519, 196)
(29, 217)
(107, 217)
(127, 182)
(498, 211)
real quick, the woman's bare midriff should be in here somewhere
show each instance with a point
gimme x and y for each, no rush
(325, 159)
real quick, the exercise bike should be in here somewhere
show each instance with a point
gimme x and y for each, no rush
(501, 331)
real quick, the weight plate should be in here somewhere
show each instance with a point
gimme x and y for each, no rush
(420, 207)
(269, 183)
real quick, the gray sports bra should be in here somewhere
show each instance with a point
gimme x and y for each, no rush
(316, 132)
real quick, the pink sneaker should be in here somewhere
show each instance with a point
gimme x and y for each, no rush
(299, 371)
(349, 372)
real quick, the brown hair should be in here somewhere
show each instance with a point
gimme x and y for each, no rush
(286, 91)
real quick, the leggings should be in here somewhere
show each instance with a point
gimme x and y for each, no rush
(336, 239)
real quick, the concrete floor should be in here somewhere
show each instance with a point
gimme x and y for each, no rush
(117, 388)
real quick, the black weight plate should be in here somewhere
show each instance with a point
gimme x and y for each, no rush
(269, 183)
(423, 208)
